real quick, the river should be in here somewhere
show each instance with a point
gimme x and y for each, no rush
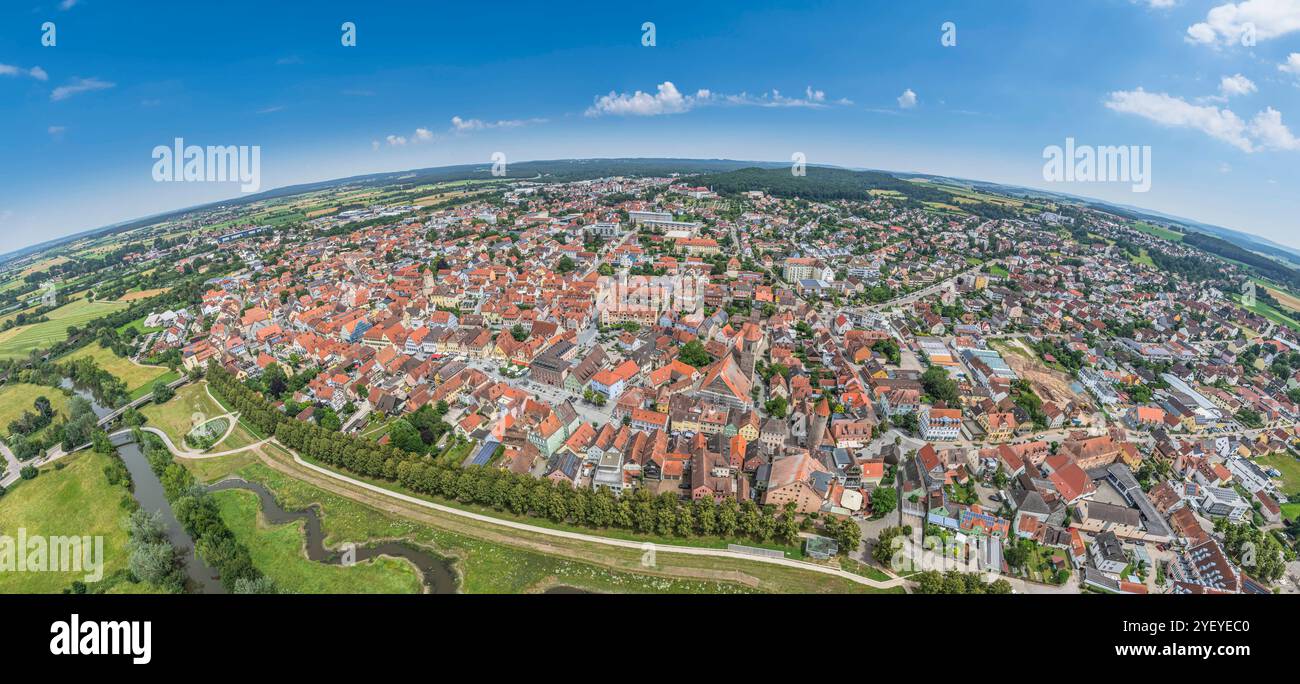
(148, 491)
(99, 409)
(435, 572)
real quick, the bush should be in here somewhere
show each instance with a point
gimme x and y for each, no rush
(28, 473)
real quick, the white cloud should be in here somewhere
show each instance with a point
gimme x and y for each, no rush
(35, 72)
(1157, 4)
(1226, 23)
(812, 98)
(460, 125)
(1271, 133)
(79, 85)
(907, 100)
(1231, 86)
(666, 100)
(1291, 65)
(1264, 132)
(271, 110)
(67, 4)
(1175, 112)
(374, 144)
(56, 130)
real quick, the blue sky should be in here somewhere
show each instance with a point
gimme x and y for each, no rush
(748, 80)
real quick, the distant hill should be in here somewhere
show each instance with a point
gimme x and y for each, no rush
(560, 170)
(1246, 241)
(725, 176)
(817, 183)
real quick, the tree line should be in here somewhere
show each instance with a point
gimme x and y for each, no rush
(523, 495)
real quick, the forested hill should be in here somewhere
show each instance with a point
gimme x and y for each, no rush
(1263, 265)
(819, 183)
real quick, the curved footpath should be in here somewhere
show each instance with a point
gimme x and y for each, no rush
(189, 453)
(535, 529)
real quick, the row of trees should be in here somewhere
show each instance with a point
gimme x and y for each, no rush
(639, 511)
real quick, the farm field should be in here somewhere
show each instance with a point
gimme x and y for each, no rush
(1289, 302)
(13, 314)
(1270, 313)
(74, 500)
(1157, 231)
(44, 264)
(142, 294)
(18, 342)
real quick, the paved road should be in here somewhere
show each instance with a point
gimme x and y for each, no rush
(117, 413)
(12, 466)
(362, 412)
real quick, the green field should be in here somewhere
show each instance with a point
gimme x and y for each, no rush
(482, 566)
(17, 342)
(1289, 467)
(75, 500)
(209, 470)
(139, 378)
(1144, 259)
(138, 324)
(277, 551)
(1269, 312)
(17, 397)
(1149, 229)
